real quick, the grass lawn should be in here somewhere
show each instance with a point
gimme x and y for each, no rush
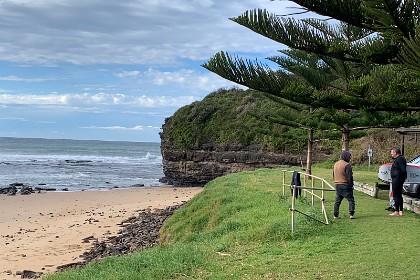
(239, 227)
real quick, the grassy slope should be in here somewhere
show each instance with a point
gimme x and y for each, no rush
(239, 228)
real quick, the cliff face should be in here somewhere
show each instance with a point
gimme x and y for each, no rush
(229, 131)
(195, 167)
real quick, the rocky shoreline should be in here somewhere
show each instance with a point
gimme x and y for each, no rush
(137, 233)
(25, 189)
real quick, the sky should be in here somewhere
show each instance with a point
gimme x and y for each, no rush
(114, 70)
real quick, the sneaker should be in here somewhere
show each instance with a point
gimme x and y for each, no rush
(336, 217)
(352, 217)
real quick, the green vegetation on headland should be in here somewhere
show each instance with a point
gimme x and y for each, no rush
(249, 118)
(239, 227)
(235, 117)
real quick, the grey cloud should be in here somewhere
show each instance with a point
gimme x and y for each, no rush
(126, 32)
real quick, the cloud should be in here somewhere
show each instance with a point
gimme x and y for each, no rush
(117, 127)
(26, 80)
(32, 99)
(14, 119)
(128, 74)
(125, 32)
(99, 99)
(26, 120)
(184, 78)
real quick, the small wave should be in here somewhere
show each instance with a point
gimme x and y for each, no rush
(150, 156)
(71, 159)
(81, 164)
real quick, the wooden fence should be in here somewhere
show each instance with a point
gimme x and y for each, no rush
(316, 193)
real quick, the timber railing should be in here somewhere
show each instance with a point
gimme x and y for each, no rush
(316, 193)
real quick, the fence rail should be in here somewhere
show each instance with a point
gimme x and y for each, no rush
(308, 190)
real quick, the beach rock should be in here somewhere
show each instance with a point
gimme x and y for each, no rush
(12, 189)
(79, 162)
(137, 233)
(7, 190)
(71, 265)
(16, 184)
(29, 274)
(88, 239)
(45, 189)
(25, 190)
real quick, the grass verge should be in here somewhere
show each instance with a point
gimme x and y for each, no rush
(239, 227)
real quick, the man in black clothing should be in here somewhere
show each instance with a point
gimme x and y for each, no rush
(398, 176)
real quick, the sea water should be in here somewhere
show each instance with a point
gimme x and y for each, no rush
(79, 164)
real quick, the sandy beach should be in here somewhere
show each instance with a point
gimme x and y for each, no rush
(41, 231)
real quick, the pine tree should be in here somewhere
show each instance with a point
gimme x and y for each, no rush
(361, 70)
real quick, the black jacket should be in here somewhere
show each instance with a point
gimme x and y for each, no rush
(399, 168)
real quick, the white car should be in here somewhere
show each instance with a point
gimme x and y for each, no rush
(411, 186)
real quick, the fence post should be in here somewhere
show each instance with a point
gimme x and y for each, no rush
(375, 190)
(293, 208)
(323, 204)
(284, 179)
(312, 191)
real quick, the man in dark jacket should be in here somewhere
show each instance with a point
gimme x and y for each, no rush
(398, 176)
(343, 178)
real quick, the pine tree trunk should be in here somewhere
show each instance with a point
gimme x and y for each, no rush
(310, 150)
(345, 138)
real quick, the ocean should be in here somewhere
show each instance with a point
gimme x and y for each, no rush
(79, 164)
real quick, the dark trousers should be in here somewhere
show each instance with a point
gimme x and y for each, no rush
(397, 186)
(343, 191)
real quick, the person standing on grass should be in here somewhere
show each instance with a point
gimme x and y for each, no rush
(343, 178)
(398, 176)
